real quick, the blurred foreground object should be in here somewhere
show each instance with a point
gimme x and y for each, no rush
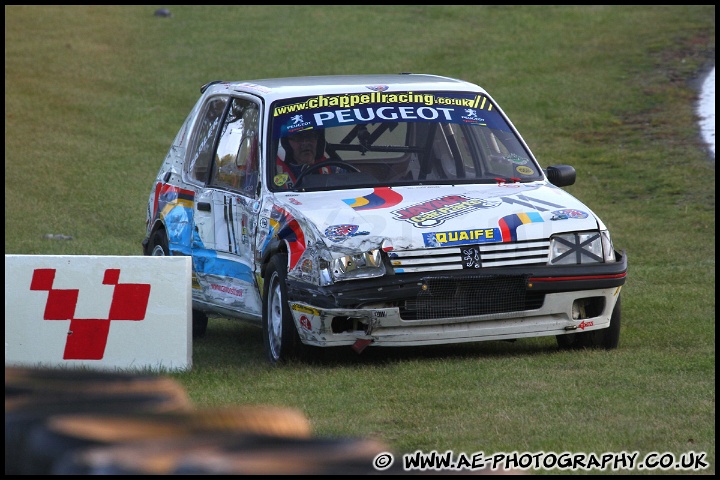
(61, 421)
(227, 453)
(85, 422)
(32, 396)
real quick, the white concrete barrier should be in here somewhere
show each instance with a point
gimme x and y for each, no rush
(102, 312)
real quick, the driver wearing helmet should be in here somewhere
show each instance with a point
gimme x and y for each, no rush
(302, 149)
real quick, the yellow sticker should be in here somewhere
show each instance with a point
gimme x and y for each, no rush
(522, 170)
(281, 179)
(303, 308)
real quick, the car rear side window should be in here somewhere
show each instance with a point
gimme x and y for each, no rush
(206, 132)
(236, 160)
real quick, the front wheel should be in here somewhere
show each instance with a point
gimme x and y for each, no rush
(607, 338)
(280, 336)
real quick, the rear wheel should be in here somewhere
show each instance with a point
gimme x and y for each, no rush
(159, 244)
(159, 248)
(280, 337)
(607, 338)
(199, 324)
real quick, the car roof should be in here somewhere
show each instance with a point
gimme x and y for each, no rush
(277, 88)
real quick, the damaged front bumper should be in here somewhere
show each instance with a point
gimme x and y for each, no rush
(501, 304)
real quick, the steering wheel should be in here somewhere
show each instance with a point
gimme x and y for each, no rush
(325, 163)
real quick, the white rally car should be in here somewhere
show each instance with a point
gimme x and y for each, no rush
(424, 219)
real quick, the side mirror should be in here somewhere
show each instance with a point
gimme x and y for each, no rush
(561, 175)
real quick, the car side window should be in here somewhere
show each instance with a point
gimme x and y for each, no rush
(506, 157)
(204, 140)
(236, 159)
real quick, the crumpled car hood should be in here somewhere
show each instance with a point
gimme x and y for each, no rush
(436, 216)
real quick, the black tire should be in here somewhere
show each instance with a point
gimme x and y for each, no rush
(280, 337)
(158, 247)
(607, 338)
(611, 335)
(199, 324)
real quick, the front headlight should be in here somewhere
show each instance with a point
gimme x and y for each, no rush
(608, 249)
(352, 267)
(581, 247)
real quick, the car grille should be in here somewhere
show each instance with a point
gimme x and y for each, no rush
(452, 297)
(473, 257)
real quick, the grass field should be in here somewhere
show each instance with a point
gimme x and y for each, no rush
(95, 94)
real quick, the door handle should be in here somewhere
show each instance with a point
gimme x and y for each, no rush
(203, 206)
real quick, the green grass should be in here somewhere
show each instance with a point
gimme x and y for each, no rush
(95, 94)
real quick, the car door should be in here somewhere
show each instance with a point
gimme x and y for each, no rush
(226, 211)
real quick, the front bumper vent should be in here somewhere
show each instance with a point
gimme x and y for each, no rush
(452, 297)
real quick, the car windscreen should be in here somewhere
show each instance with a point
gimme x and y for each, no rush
(391, 139)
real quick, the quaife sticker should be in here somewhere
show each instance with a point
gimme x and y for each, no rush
(462, 237)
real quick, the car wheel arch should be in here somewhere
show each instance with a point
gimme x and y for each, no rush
(276, 247)
(147, 243)
(151, 243)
